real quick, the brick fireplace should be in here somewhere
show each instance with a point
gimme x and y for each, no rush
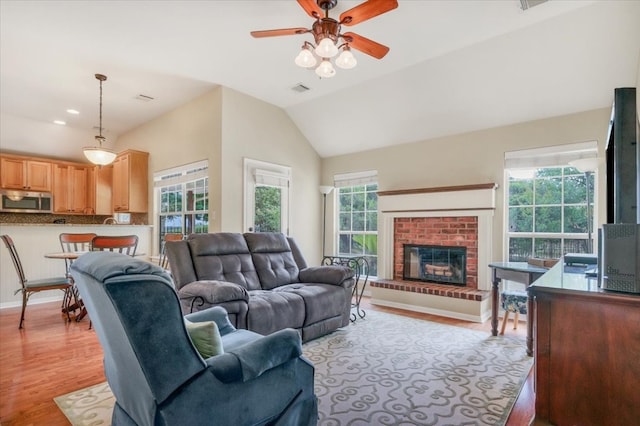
(456, 216)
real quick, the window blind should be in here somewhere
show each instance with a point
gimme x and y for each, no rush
(354, 179)
(558, 155)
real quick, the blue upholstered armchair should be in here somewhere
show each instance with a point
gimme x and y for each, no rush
(157, 375)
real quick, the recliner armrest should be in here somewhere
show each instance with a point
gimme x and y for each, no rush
(254, 358)
(327, 274)
(214, 292)
(217, 314)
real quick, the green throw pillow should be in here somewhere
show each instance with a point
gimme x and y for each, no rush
(205, 337)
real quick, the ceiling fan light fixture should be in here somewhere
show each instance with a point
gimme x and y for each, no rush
(305, 58)
(346, 60)
(97, 154)
(325, 69)
(326, 48)
(327, 35)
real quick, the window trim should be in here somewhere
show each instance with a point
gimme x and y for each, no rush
(346, 180)
(263, 173)
(184, 174)
(562, 205)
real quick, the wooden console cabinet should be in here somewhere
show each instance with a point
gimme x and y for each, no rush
(587, 352)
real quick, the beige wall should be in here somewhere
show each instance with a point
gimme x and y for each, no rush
(225, 126)
(189, 133)
(476, 157)
(260, 131)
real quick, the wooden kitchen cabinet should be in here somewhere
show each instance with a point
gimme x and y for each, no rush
(70, 189)
(25, 174)
(100, 190)
(130, 182)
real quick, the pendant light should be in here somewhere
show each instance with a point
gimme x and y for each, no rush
(97, 154)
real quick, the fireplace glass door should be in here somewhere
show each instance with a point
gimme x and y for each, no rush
(440, 264)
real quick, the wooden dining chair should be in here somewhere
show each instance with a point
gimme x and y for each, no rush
(28, 287)
(163, 261)
(75, 243)
(125, 244)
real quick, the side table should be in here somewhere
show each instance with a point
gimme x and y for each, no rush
(360, 267)
(520, 272)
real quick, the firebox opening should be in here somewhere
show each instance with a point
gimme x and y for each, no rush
(440, 264)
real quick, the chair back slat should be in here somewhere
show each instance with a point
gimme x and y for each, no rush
(71, 242)
(76, 242)
(125, 244)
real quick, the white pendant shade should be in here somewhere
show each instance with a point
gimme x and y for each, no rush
(99, 155)
(326, 48)
(325, 69)
(346, 60)
(305, 58)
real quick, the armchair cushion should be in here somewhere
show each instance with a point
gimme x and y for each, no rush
(205, 337)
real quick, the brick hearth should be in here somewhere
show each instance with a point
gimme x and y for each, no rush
(465, 293)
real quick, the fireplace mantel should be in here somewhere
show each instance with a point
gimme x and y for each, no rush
(473, 187)
(451, 201)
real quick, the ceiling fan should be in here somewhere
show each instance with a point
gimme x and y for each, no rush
(327, 35)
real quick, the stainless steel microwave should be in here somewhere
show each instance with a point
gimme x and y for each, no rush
(25, 202)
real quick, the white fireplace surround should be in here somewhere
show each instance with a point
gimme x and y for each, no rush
(471, 200)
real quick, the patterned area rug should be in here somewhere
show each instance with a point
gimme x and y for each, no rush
(389, 370)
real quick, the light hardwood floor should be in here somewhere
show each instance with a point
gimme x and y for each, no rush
(51, 357)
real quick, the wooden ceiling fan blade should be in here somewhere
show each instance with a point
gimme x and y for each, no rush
(312, 8)
(279, 32)
(367, 10)
(365, 45)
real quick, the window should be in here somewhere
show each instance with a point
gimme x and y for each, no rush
(183, 200)
(549, 208)
(266, 196)
(357, 210)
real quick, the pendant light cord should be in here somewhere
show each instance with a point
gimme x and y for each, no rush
(100, 130)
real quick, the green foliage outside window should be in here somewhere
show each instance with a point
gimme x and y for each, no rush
(268, 209)
(548, 214)
(358, 223)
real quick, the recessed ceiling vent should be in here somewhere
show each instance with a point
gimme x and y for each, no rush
(300, 88)
(144, 98)
(528, 4)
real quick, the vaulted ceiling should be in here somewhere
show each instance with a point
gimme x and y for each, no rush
(453, 66)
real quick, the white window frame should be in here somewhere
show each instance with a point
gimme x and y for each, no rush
(262, 173)
(180, 175)
(345, 180)
(525, 162)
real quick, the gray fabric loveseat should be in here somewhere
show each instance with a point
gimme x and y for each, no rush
(262, 281)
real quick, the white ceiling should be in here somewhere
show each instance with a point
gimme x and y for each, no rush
(454, 66)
